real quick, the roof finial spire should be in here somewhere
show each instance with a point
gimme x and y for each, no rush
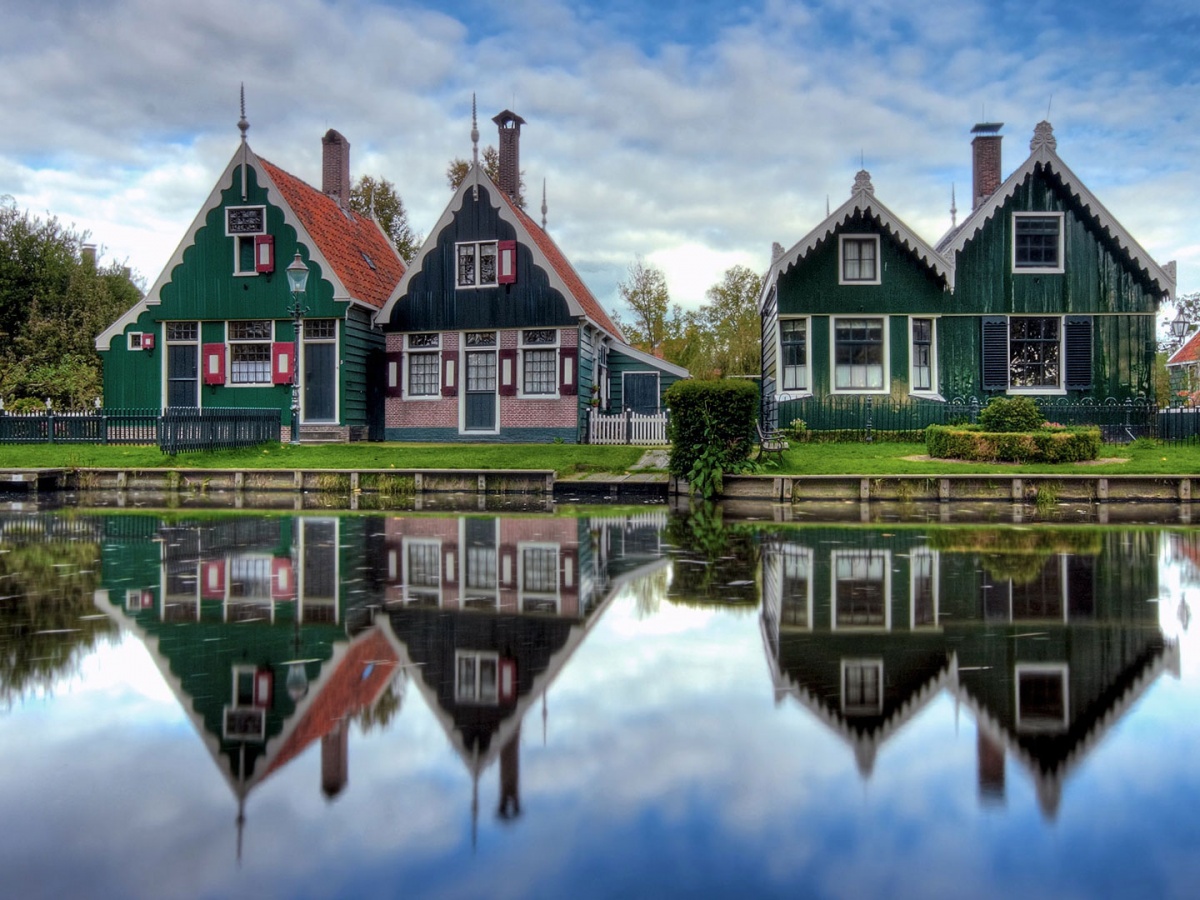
(543, 204)
(953, 208)
(475, 146)
(826, 206)
(243, 123)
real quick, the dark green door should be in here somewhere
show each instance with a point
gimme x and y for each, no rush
(480, 396)
(641, 392)
(320, 382)
(182, 375)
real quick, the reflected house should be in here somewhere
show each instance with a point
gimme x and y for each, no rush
(245, 620)
(1045, 636)
(487, 612)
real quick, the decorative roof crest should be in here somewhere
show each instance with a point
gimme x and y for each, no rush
(1043, 137)
(243, 122)
(862, 182)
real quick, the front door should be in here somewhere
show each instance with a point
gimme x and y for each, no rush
(320, 370)
(183, 358)
(480, 396)
(641, 392)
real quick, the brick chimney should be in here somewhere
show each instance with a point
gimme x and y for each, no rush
(985, 154)
(510, 124)
(335, 167)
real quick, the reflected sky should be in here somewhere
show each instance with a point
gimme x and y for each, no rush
(658, 756)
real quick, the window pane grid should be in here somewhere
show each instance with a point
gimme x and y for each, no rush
(539, 570)
(922, 355)
(858, 260)
(858, 354)
(249, 363)
(793, 338)
(1034, 352)
(539, 374)
(1036, 241)
(423, 374)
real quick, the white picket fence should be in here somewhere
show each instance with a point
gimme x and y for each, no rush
(627, 427)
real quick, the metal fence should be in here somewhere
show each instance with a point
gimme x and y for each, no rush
(864, 418)
(174, 430)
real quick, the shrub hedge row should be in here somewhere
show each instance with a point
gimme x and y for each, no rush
(717, 416)
(970, 442)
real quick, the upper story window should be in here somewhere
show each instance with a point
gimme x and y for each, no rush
(859, 259)
(476, 264)
(253, 251)
(1037, 243)
(250, 351)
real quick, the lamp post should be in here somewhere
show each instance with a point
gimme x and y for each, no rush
(297, 275)
(1179, 326)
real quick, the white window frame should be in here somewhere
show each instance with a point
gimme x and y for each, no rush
(1044, 390)
(420, 593)
(476, 697)
(781, 387)
(1041, 725)
(474, 559)
(885, 364)
(411, 352)
(777, 563)
(1039, 270)
(861, 709)
(240, 237)
(843, 239)
(304, 597)
(231, 341)
(525, 348)
(885, 557)
(932, 391)
(522, 592)
(923, 556)
(478, 255)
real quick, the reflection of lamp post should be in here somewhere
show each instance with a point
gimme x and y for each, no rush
(297, 275)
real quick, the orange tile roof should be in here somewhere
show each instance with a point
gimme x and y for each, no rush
(566, 272)
(1188, 353)
(343, 237)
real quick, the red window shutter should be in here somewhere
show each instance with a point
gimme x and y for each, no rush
(283, 578)
(568, 374)
(449, 373)
(508, 372)
(212, 584)
(449, 565)
(393, 374)
(281, 362)
(506, 265)
(147, 341)
(214, 363)
(264, 253)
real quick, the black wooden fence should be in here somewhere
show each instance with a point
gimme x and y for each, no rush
(865, 417)
(174, 430)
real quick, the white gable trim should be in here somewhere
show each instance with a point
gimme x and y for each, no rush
(648, 359)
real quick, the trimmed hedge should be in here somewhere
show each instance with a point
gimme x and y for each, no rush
(969, 442)
(1011, 414)
(717, 416)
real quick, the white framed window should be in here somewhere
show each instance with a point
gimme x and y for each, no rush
(1043, 697)
(422, 572)
(1038, 354)
(858, 259)
(862, 590)
(1035, 352)
(476, 264)
(477, 677)
(250, 351)
(788, 573)
(860, 357)
(243, 224)
(424, 361)
(539, 362)
(923, 588)
(537, 575)
(1037, 243)
(793, 354)
(862, 687)
(922, 354)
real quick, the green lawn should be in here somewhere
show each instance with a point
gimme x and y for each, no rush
(1140, 458)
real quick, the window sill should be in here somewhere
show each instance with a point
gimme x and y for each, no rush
(1023, 270)
(927, 395)
(785, 396)
(860, 392)
(1037, 392)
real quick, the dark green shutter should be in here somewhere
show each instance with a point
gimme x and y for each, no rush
(995, 353)
(1079, 352)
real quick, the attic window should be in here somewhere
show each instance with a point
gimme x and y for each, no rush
(247, 225)
(476, 264)
(859, 259)
(1038, 243)
(370, 262)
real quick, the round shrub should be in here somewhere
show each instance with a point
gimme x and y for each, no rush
(1007, 414)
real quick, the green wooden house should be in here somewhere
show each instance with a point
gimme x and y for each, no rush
(1038, 291)
(218, 328)
(493, 336)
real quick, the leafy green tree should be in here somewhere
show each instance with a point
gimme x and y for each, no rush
(733, 323)
(458, 168)
(53, 303)
(377, 198)
(646, 297)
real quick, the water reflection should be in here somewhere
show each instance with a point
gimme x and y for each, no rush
(289, 634)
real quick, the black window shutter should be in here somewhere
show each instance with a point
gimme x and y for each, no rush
(1078, 331)
(995, 353)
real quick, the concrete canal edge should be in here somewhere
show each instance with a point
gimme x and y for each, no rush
(636, 486)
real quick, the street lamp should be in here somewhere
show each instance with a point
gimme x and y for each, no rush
(297, 275)
(1179, 326)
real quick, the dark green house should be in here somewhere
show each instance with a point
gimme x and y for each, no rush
(1039, 291)
(217, 329)
(493, 336)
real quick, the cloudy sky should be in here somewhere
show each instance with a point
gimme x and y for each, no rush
(694, 133)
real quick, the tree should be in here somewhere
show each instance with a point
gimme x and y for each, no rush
(734, 324)
(458, 168)
(646, 296)
(377, 198)
(53, 304)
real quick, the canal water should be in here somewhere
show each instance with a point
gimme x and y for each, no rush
(627, 702)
